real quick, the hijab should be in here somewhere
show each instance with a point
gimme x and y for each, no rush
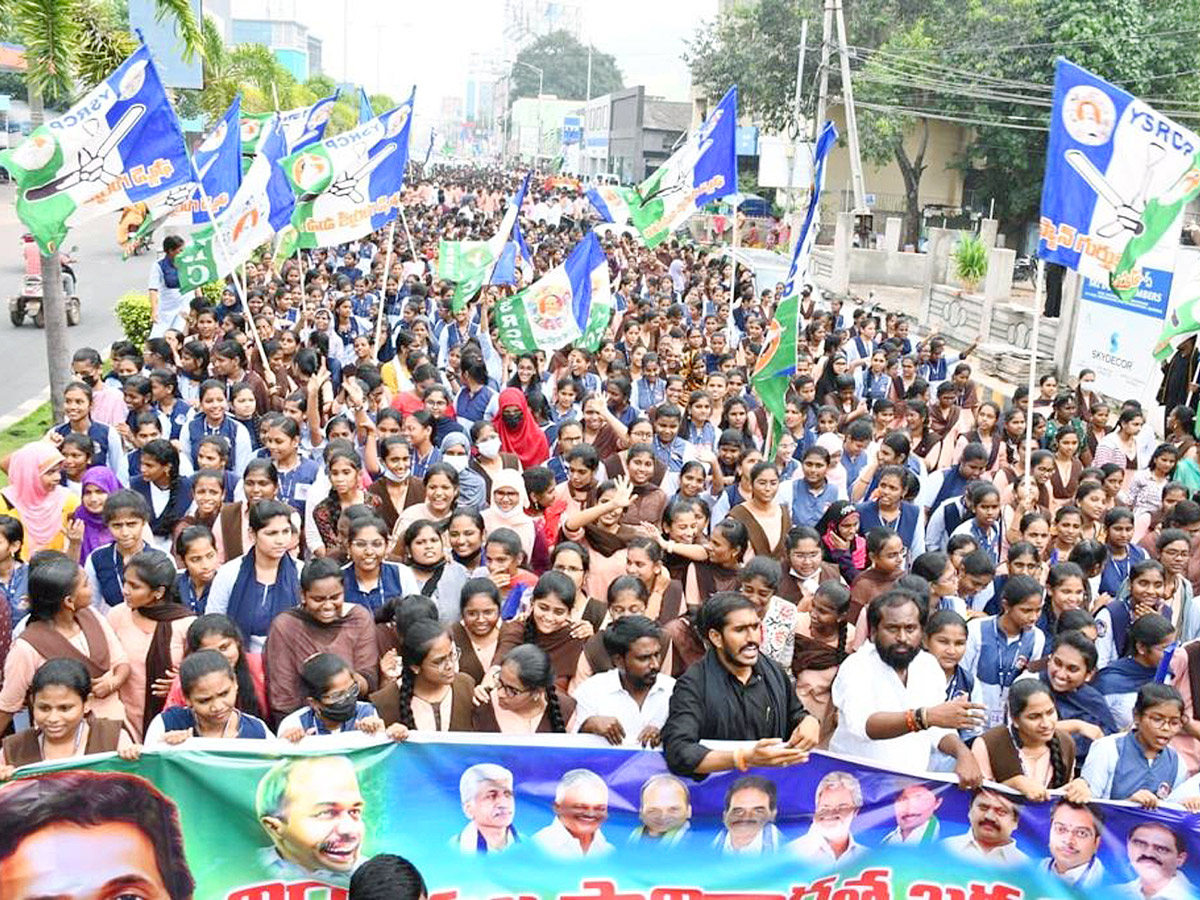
(95, 532)
(41, 511)
(516, 518)
(527, 440)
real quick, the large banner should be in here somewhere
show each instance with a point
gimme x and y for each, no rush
(1118, 177)
(508, 819)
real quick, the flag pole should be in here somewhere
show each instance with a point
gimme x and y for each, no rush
(387, 267)
(404, 221)
(227, 256)
(1033, 354)
(733, 255)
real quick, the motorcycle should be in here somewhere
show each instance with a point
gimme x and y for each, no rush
(1025, 268)
(29, 301)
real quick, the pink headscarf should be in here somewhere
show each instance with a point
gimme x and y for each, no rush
(41, 511)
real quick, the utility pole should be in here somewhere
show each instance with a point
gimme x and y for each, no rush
(589, 75)
(794, 229)
(823, 90)
(856, 172)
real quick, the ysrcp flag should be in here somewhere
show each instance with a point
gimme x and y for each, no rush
(702, 170)
(556, 309)
(612, 203)
(515, 250)
(365, 112)
(301, 127)
(261, 207)
(349, 185)
(217, 161)
(811, 225)
(1118, 176)
(121, 144)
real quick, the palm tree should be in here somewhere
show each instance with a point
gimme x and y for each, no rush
(72, 45)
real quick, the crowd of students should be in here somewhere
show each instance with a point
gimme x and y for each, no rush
(426, 532)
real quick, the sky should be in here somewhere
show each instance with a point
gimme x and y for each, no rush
(432, 44)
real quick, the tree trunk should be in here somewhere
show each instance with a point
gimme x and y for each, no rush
(54, 303)
(912, 170)
(54, 311)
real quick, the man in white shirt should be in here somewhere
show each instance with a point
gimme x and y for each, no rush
(486, 791)
(751, 804)
(580, 808)
(993, 819)
(1075, 833)
(1156, 854)
(829, 841)
(627, 705)
(891, 696)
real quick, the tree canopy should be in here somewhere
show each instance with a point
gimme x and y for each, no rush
(564, 60)
(985, 64)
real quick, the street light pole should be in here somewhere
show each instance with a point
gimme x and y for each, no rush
(541, 73)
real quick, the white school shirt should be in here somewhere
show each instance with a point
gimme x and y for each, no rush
(603, 695)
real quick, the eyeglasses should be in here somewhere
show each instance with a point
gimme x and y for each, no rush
(368, 545)
(569, 570)
(509, 691)
(1058, 829)
(449, 661)
(835, 812)
(340, 697)
(1160, 721)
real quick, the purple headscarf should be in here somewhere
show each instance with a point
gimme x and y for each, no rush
(95, 532)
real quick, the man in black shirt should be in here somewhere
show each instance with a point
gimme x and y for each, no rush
(735, 693)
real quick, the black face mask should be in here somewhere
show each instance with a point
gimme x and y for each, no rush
(89, 379)
(342, 711)
(513, 419)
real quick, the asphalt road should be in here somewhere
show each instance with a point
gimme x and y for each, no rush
(103, 277)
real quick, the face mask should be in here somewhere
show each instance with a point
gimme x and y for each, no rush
(489, 447)
(344, 710)
(392, 476)
(457, 463)
(89, 380)
(513, 419)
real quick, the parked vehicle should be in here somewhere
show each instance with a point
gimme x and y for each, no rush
(1025, 269)
(29, 301)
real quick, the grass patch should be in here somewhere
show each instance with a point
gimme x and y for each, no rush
(30, 428)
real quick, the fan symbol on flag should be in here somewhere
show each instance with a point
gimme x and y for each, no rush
(1128, 212)
(93, 165)
(348, 185)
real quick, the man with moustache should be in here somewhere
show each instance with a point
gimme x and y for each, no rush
(751, 804)
(665, 809)
(993, 819)
(1156, 854)
(1074, 839)
(915, 820)
(627, 705)
(891, 695)
(486, 791)
(580, 808)
(312, 809)
(829, 840)
(735, 693)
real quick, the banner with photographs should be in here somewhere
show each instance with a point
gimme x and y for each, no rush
(244, 820)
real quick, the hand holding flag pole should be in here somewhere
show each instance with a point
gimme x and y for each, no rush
(387, 268)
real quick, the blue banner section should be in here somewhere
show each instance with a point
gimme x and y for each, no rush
(1150, 298)
(717, 151)
(1083, 120)
(526, 818)
(218, 162)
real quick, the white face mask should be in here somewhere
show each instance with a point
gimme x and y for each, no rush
(457, 463)
(489, 448)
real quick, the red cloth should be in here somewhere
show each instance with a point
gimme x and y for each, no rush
(527, 441)
(407, 403)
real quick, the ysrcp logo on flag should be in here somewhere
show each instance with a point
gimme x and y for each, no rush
(1089, 115)
(311, 171)
(251, 129)
(213, 142)
(132, 81)
(549, 306)
(397, 121)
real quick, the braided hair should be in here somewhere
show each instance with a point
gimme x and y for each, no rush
(1019, 695)
(419, 638)
(837, 595)
(162, 451)
(535, 671)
